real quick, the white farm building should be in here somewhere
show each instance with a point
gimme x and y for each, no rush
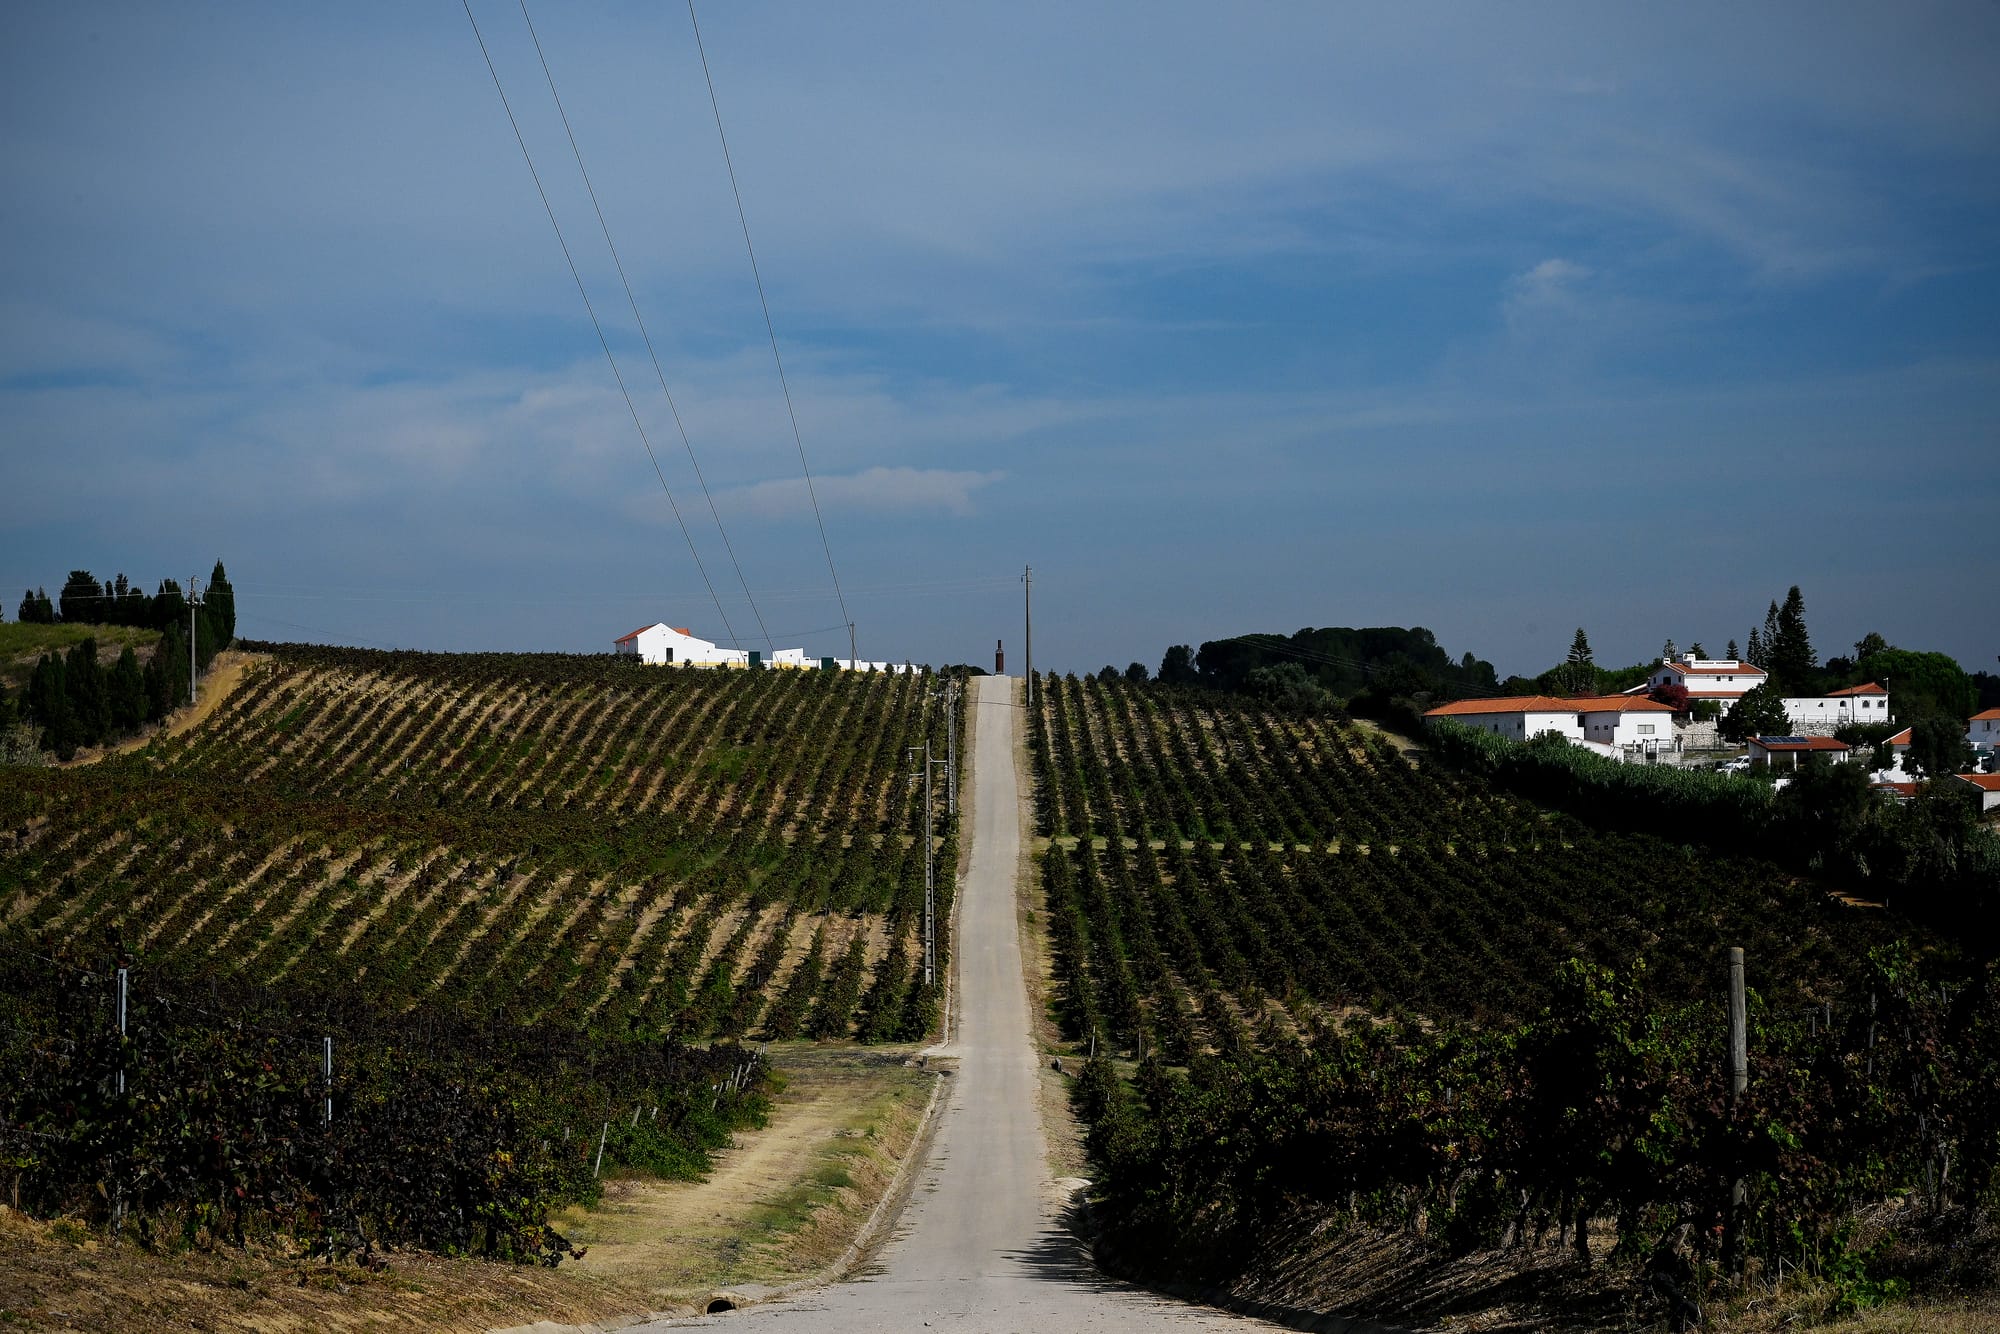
(1615, 725)
(1823, 715)
(663, 645)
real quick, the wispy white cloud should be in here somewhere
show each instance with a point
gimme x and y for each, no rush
(870, 491)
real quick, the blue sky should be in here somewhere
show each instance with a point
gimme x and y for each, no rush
(1498, 320)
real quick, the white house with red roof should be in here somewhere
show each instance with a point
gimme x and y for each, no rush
(1989, 790)
(1823, 715)
(1724, 680)
(661, 644)
(1616, 725)
(1982, 730)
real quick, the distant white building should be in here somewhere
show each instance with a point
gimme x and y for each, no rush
(1617, 725)
(1982, 730)
(661, 644)
(1724, 680)
(664, 645)
(1822, 715)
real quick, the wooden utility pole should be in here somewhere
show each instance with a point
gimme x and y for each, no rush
(194, 606)
(1739, 1083)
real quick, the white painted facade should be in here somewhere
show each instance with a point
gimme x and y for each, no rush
(1822, 715)
(1982, 730)
(1989, 790)
(663, 645)
(1619, 727)
(1724, 680)
(1641, 724)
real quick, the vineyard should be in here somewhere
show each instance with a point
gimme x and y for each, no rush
(1363, 990)
(1219, 872)
(637, 858)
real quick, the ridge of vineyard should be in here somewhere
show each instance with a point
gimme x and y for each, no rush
(396, 948)
(1220, 871)
(561, 839)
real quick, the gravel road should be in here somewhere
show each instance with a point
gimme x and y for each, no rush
(977, 1246)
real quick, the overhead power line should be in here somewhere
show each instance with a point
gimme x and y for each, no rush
(603, 342)
(769, 328)
(640, 320)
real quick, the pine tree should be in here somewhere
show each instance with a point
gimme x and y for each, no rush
(1793, 661)
(1730, 652)
(1698, 651)
(1579, 671)
(82, 598)
(1670, 651)
(1754, 655)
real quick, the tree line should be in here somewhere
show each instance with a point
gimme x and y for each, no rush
(72, 700)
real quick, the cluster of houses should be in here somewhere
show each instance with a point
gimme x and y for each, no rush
(1634, 726)
(664, 645)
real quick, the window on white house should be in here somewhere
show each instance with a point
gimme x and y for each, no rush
(1645, 729)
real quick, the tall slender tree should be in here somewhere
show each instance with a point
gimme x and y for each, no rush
(89, 701)
(127, 692)
(1793, 661)
(220, 601)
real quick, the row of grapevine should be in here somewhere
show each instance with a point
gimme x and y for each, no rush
(215, 1112)
(571, 917)
(787, 751)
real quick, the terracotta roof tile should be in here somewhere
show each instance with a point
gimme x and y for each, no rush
(1870, 689)
(1986, 715)
(1548, 704)
(634, 635)
(1984, 782)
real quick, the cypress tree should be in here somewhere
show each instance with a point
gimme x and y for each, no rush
(221, 601)
(89, 703)
(170, 609)
(48, 706)
(167, 674)
(26, 614)
(128, 693)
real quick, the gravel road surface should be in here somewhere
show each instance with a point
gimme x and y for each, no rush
(977, 1246)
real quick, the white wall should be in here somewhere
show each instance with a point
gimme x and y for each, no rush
(1821, 715)
(1637, 727)
(1983, 733)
